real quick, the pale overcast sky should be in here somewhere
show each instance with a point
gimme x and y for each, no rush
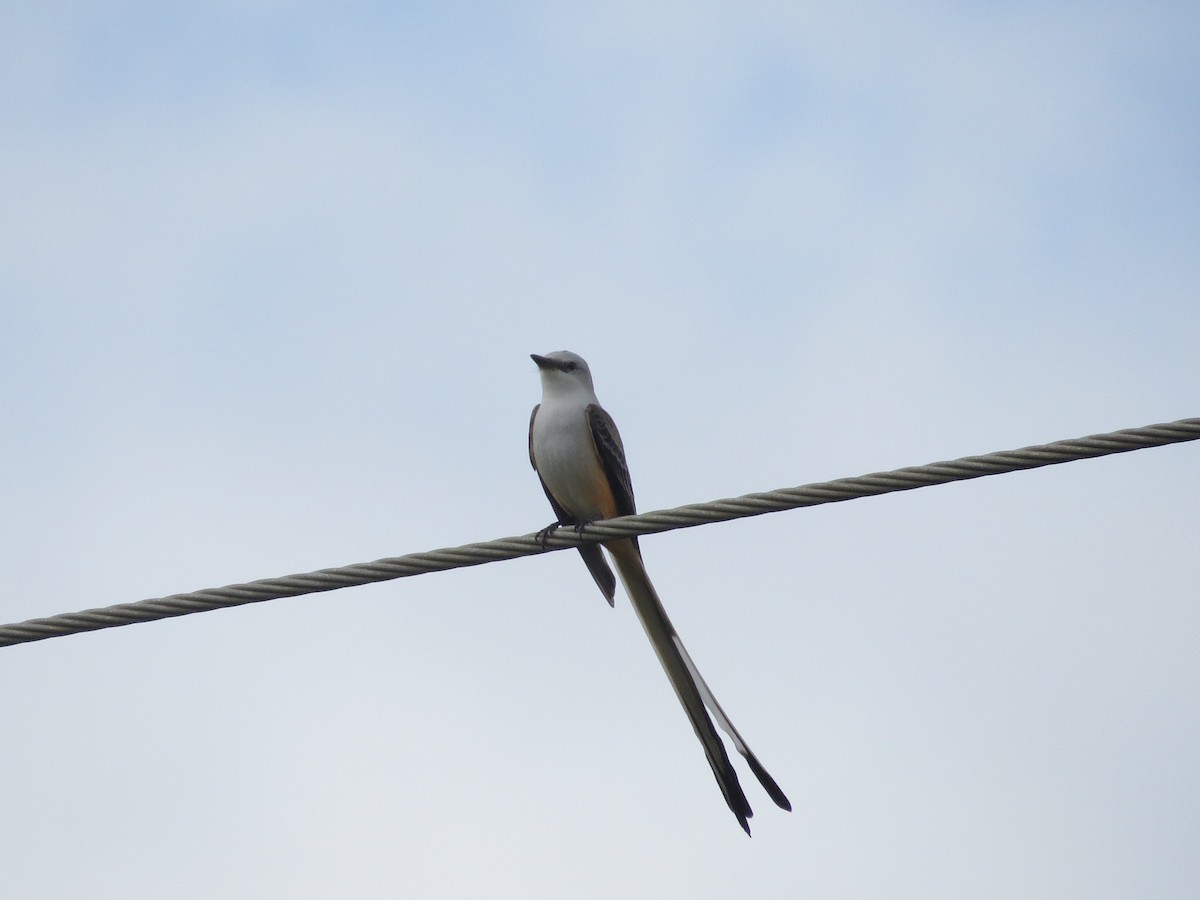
(269, 278)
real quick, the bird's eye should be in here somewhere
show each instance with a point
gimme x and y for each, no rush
(571, 367)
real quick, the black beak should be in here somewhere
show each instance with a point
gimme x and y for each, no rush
(543, 362)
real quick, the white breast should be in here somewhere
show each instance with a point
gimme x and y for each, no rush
(567, 461)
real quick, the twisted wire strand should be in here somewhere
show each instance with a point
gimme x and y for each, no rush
(655, 522)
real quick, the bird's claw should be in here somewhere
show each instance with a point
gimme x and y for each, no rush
(544, 535)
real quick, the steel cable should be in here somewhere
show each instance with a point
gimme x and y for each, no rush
(626, 526)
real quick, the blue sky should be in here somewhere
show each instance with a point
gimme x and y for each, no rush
(269, 278)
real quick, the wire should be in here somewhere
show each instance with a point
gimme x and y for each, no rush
(627, 526)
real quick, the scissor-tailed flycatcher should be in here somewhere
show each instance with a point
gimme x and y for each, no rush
(576, 450)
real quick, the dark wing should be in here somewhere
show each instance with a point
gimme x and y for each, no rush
(593, 558)
(532, 461)
(612, 457)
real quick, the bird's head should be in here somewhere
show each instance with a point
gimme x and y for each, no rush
(563, 370)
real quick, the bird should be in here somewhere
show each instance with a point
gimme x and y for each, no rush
(577, 453)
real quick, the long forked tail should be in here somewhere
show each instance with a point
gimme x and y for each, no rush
(690, 687)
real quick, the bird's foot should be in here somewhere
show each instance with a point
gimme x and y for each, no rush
(544, 535)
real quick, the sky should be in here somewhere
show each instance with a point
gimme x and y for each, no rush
(270, 275)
